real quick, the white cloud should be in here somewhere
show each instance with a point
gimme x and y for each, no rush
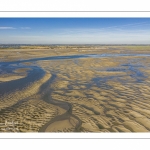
(25, 28)
(6, 28)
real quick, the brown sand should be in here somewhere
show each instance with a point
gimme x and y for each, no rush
(103, 100)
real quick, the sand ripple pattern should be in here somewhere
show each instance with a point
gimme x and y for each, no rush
(107, 94)
(12, 98)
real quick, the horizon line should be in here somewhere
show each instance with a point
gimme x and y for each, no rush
(72, 44)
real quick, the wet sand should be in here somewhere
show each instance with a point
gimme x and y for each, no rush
(76, 94)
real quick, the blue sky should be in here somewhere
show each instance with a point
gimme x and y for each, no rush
(74, 30)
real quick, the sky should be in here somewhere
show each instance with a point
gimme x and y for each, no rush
(74, 30)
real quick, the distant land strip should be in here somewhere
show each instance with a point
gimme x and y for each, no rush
(75, 11)
(81, 138)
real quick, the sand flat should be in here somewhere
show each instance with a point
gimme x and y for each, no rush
(91, 94)
(10, 78)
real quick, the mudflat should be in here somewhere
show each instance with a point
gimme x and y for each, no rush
(75, 89)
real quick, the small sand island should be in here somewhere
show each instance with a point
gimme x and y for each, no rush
(74, 88)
